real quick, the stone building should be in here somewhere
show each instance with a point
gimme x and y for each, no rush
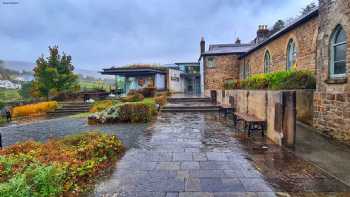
(332, 96)
(221, 62)
(316, 41)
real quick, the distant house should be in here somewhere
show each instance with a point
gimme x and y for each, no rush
(9, 85)
(177, 77)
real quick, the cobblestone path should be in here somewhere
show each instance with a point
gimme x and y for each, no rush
(197, 154)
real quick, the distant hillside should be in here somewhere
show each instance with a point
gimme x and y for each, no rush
(21, 66)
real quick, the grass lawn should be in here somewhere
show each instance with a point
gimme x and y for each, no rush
(8, 95)
(93, 85)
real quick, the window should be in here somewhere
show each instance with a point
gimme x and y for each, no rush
(241, 71)
(291, 54)
(338, 53)
(246, 71)
(267, 62)
(211, 62)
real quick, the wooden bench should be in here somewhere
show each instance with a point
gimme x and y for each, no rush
(251, 123)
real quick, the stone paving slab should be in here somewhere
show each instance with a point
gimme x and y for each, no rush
(199, 154)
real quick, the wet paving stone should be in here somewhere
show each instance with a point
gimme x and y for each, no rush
(199, 154)
(194, 154)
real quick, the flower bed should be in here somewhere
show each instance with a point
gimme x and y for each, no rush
(282, 80)
(34, 109)
(142, 111)
(63, 167)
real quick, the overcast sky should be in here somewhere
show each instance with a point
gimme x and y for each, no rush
(100, 33)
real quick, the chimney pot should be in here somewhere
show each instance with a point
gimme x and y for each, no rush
(202, 45)
(238, 41)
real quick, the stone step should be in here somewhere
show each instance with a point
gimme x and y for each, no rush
(189, 110)
(77, 110)
(188, 99)
(192, 107)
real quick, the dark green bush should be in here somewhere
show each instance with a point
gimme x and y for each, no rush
(126, 112)
(282, 80)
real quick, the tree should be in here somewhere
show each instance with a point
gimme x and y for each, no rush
(277, 26)
(26, 90)
(54, 75)
(308, 8)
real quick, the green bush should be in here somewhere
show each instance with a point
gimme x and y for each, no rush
(282, 80)
(126, 112)
(231, 84)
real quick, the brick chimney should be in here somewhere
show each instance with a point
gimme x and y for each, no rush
(238, 41)
(262, 33)
(202, 45)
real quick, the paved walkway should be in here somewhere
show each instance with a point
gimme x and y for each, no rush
(197, 154)
(324, 152)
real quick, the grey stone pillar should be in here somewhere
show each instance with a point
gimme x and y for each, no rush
(289, 117)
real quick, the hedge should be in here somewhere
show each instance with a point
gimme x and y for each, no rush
(142, 111)
(34, 109)
(61, 167)
(282, 80)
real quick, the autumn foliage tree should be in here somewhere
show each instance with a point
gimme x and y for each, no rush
(54, 75)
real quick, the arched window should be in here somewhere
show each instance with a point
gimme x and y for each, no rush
(338, 53)
(267, 62)
(291, 54)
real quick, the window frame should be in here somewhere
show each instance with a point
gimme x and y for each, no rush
(267, 65)
(210, 62)
(289, 63)
(333, 46)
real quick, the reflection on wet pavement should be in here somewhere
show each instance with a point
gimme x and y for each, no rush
(198, 154)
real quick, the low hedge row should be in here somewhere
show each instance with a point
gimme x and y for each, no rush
(34, 109)
(142, 111)
(282, 80)
(62, 167)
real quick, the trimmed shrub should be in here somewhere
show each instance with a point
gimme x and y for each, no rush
(282, 80)
(133, 96)
(101, 105)
(63, 167)
(126, 112)
(34, 109)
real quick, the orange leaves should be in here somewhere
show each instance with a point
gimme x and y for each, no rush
(34, 109)
(81, 158)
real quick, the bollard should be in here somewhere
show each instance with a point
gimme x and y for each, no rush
(0, 141)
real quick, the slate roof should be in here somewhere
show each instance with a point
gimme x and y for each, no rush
(289, 27)
(220, 49)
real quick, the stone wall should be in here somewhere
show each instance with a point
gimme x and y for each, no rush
(262, 104)
(332, 97)
(305, 37)
(305, 106)
(226, 67)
